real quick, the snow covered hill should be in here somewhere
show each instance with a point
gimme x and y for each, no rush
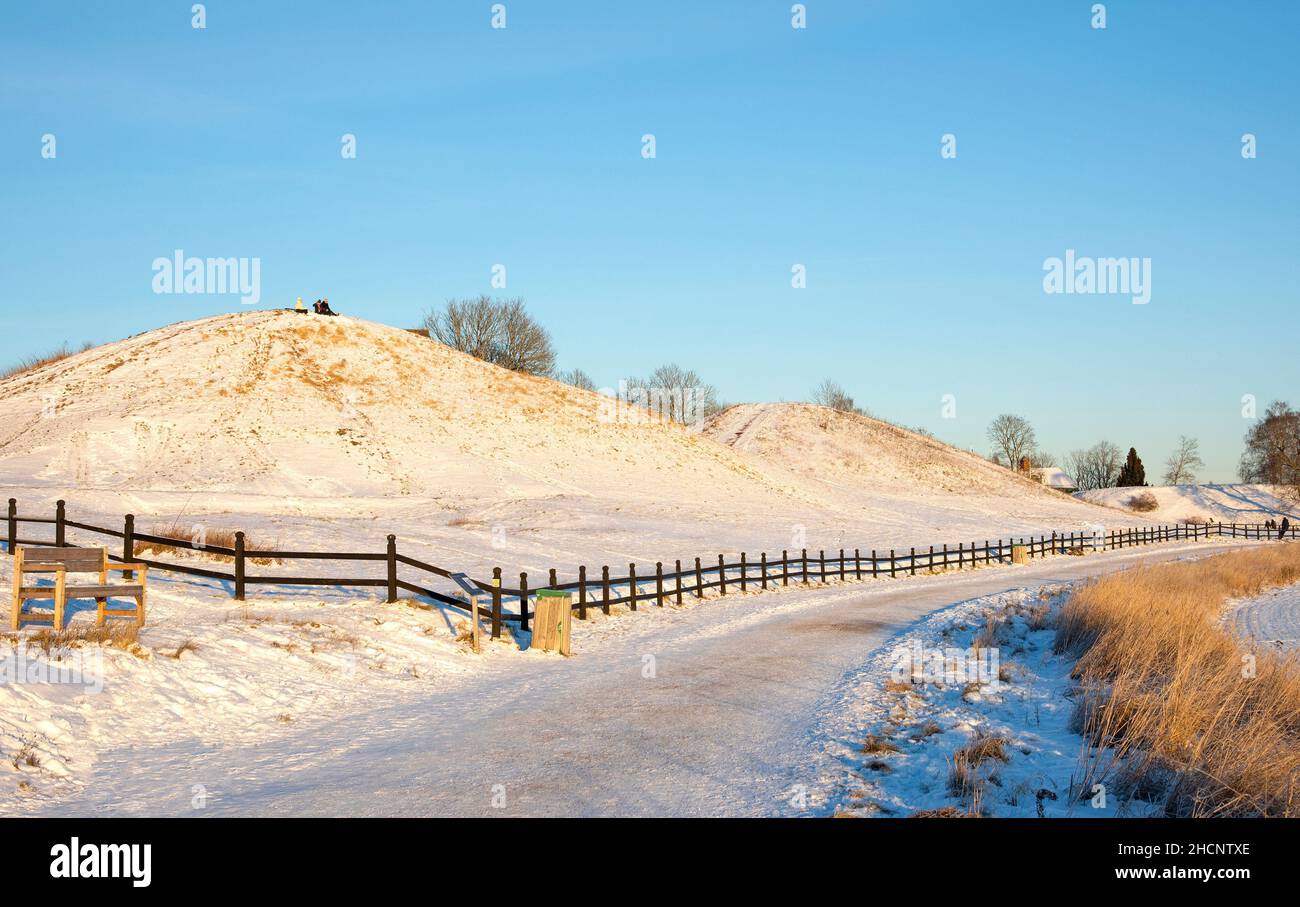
(1217, 503)
(334, 430)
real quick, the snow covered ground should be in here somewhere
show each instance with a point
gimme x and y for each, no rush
(1228, 503)
(329, 703)
(1272, 618)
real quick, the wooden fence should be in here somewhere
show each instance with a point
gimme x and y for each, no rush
(603, 592)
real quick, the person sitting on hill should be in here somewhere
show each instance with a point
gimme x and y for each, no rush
(323, 307)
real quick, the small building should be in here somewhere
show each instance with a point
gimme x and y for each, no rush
(1055, 478)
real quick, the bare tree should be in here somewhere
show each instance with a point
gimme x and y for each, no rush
(1096, 467)
(672, 393)
(1272, 452)
(1012, 438)
(1180, 468)
(496, 331)
(830, 394)
(576, 377)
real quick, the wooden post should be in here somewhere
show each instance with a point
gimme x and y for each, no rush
(945, 556)
(857, 563)
(679, 581)
(60, 530)
(392, 569)
(785, 567)
(875, 567)
(239, 566)
(604, 589)
(699, 579)
(582, 593)
(893, 565)
(744, 573)
(631, 585)
(804, 560)
(128, 544)
(496, 602)
(930, 562)
(961, 556)
(821, 564)
(913, 561)
(722, 575)
(762, 556)
(523, 601)
(13, 524)
(659, 582)
(841, 565)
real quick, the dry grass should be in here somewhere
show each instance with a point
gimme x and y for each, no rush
(116, 634)
(216, 538)
(34, 362)
(876, 744)
(965, 778)
(188, 645)
(1191, 718)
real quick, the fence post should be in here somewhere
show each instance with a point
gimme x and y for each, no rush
(785, 567)
(945, 556)
(659, 582)
(60, 530)
(803, 558)
(13, 524)
(722, 575)
(699, 579)
(496, 602)
(239, 566)
(582, 593)
(857, 563)
(631, 585)
(913, 561)
(762, 560)
(841, 565)
(744, 573)
(821, 564)
(893, 565)
(523, 601)
(679, 581)
(128, 544)
(604, 589)
(875, 567)
(392, 569)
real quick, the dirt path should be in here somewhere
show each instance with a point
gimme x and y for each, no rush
(721, 728)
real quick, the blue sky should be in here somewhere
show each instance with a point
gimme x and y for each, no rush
(775, 146)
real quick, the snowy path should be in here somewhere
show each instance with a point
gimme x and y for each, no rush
(721, 729)
(1272, 618)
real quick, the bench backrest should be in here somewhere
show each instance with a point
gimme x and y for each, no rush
(74, 560)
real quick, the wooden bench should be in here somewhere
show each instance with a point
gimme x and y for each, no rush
(64, 561)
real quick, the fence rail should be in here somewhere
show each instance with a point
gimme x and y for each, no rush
(603, 592)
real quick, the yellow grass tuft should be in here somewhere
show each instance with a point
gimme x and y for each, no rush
(217, 538)
(1191, 716)
(32, 363)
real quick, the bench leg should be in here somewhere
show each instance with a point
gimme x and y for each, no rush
(15, 622)
(99, 614)
(139, 610)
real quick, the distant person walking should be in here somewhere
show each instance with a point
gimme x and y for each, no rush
(1286, 527)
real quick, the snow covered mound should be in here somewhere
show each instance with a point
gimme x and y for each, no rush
(285, 419)
(1217, 503)
(276, 403)
(848, 454)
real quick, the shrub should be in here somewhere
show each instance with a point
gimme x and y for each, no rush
(1144, 502)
